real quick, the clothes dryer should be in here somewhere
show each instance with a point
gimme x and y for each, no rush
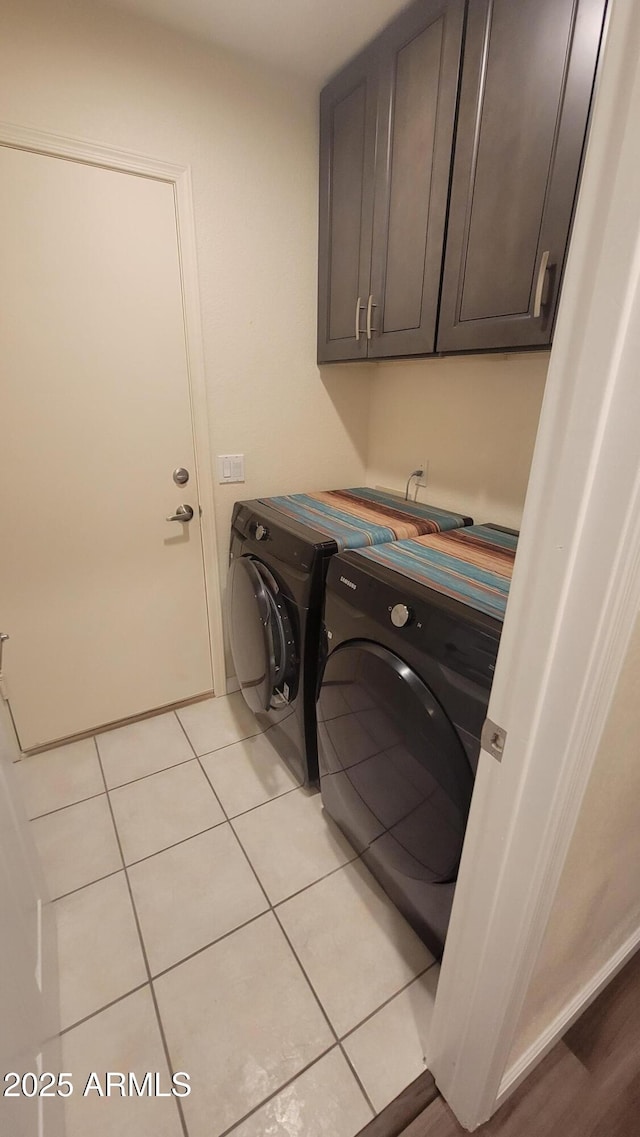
(411, 631)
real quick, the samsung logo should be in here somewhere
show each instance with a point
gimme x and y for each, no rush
(349, 583)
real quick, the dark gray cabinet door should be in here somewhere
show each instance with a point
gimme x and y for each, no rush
(419, 67)
(527, 81)
(386, 130)
(348, 109)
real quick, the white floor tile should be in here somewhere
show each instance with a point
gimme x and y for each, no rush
(192, 894)
(142, 748)
(77, 845)
(98, 948)
(388, 1050)
(325, 1101)
(218, 722)
(291, 843)
(60, 777)
(240, 1018)
(248, 774)
(354, 945)
(123, 1038)
(162, 809)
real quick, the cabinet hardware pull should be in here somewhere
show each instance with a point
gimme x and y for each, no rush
(370, 305)
(359, 309)
(537, 303)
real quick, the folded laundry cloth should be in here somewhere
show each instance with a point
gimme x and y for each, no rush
(362, 516)
(472, 565)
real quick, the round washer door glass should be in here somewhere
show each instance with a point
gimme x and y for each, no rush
(394, 773)
(260, 634)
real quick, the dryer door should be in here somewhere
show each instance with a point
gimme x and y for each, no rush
(261, 636)
(394, 774)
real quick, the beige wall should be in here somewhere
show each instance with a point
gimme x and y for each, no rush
(473, 417)
(250, 137)
(597, 906)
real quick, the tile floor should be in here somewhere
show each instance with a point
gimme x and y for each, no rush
(213, 920)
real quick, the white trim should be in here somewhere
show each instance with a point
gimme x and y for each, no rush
(200, 418)
(573, 604)
(569, 1014)
(80, 150)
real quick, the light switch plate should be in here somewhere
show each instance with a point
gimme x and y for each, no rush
(230, 468)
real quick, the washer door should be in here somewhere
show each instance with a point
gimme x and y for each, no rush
(394, 774)
(262, 641)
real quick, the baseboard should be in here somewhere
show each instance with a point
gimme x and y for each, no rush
(109, 726)
(566, 1018)
(232, 684)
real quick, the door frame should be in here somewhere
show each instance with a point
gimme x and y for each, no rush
(574, 602)
(179, 177)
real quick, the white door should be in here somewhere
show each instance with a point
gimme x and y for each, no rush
(103, 597)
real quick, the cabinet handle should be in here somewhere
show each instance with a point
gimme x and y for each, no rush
(359, 309)
(370, 305)
(537, 302)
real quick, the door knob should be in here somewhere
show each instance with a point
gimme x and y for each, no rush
(183, 513)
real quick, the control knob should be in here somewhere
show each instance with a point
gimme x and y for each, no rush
(261, 533)
(401, 615)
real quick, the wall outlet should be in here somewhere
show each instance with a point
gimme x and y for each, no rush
(230, 468)
(424, 466)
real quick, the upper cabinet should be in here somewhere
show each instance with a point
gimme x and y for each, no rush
(386, 131)
(528, 74)
(441, 239)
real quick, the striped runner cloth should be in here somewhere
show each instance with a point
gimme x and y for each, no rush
(361, 516)
(471, 565)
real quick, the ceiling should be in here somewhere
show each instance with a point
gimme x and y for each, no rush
(311, 38)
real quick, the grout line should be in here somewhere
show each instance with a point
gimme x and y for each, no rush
(273, 908)
(279, 1090)
(306, 887)
(210, 784)
(151, 774)
(199, 758)
(252, 808)
(68, 805)
(217, 749)
(72, 891)
(175, 844)
(294, 952)
(143, 949)
(212, 943)
(311, 987)
(120, 999)
(182, 727)
(209, 753)
(386, 1002)
(358, 1079)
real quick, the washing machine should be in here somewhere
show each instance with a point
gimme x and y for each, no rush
(280, 548)
(411, 634)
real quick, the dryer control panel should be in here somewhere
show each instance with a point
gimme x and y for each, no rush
(459, 637)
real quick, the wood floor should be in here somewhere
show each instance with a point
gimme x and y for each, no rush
(588, 1086)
